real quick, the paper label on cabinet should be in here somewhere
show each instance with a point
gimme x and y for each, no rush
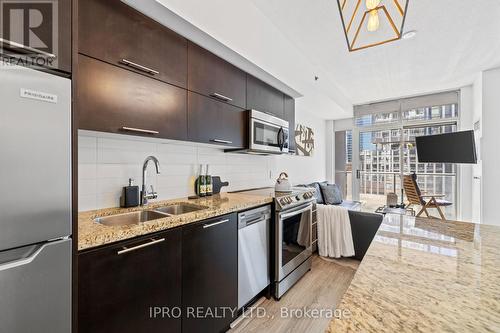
(38, 95)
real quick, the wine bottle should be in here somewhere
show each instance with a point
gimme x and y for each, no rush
(202, 187)
(208, 183)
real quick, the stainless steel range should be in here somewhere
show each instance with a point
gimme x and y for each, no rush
(291, 234)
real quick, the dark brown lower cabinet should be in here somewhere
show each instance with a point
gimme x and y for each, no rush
(209, 274)
(211, 121)
(119, 288)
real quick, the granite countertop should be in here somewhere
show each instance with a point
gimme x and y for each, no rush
(422, 275)
(92, 234)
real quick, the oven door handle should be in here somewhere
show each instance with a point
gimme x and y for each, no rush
(296, 212)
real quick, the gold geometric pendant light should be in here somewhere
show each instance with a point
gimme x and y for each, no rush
(370, 23)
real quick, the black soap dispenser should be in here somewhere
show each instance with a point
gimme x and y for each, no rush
(130, 195)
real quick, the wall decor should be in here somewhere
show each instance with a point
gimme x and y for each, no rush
(304, 139)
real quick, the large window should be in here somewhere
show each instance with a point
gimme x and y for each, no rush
(386, 143)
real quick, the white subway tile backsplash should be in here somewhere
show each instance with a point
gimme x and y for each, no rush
(87, 155)
(87, 202)
(87, 187)
(106, 200)
(87, 142)
(125, 144)
(173, 181)
(122, 171)
(110, 185)
(87, 171)
(106, 162)
(179, 169)
(176, 149)
(177, 158)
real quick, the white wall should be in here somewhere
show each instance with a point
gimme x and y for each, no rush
(465, 178)
(301, 169)
(107, 161)
(490, 150)
(477, 88)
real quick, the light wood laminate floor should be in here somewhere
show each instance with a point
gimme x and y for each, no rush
(321, 288)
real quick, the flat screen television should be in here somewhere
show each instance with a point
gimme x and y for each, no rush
(458, 147)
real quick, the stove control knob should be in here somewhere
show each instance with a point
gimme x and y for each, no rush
(283, 202)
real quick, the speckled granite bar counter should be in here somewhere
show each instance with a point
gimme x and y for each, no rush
(92, 234)
(422, 275)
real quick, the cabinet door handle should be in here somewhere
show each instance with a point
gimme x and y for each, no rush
(139, 130)
(221, 97)
(13, 45)
(226, 142)
(130, 249)
(139, 67)
(205, 226)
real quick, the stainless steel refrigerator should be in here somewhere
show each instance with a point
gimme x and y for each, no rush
(35, 201)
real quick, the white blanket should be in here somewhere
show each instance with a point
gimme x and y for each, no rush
(334, 232)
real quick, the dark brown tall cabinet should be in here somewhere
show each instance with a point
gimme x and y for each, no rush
(119, 283)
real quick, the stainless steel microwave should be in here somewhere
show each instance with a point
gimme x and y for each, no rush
(267, 134)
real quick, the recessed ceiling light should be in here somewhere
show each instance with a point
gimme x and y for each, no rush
(409, 34)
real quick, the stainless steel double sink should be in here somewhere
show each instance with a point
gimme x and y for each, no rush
(147, 215)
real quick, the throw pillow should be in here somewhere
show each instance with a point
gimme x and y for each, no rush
(331, 194)
(317, 194)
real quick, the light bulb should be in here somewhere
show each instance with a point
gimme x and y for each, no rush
(371, 4)
(373, 21)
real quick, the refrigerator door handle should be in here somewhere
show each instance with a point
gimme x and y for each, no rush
(23, 260)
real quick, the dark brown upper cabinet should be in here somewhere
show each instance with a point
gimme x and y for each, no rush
(211, 121)
(263, 97)
(112, 99)
(111, 31)
(212, 76)
(116, 288)
(290, 117)
(56, 52)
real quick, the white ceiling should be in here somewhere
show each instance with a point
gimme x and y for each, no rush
(456, 39)
(294, 40)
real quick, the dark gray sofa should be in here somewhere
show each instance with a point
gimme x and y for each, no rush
(364, 225)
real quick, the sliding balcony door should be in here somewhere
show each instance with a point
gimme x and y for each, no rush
(379, 171)
(384, 150)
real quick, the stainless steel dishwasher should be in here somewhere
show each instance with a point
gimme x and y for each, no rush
(253, 253)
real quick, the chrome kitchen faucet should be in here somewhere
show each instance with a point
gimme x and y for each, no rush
(145, 196)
